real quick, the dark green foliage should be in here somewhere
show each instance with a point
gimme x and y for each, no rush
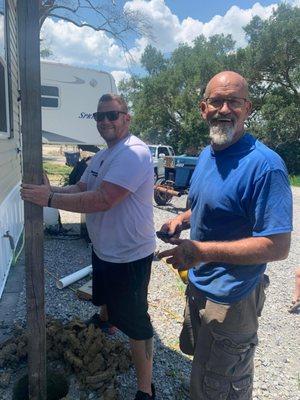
(271, 62)
(165, 103)
(153, 60)
(290, 152)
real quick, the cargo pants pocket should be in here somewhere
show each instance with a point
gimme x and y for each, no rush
(214, 388)
(229, 358)
(241, 390)
(229, 369)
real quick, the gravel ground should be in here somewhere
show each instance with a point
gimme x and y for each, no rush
(277, 373)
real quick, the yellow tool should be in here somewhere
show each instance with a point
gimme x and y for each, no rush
(182, 273)
(166, 236)
(184, 276)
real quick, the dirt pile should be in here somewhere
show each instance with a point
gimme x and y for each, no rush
(84, 351)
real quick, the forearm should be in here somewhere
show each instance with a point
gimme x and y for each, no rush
(253, 250)
(83, 202)
(66, 189)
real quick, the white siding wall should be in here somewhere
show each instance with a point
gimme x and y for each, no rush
(11, 207)
(11, 225)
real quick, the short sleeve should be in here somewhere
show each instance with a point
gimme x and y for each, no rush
(271, 204)
(84, 176)
(130, 168)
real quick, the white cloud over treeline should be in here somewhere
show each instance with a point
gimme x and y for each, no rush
(84, 46)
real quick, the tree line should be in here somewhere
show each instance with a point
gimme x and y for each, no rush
(165, 100)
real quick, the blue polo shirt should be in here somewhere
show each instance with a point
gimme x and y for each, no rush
(242, 191)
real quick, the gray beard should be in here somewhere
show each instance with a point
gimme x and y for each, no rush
(221, 135)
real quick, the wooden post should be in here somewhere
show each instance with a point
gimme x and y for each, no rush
(30, 83)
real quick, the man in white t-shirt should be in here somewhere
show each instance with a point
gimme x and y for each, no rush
(116, 192)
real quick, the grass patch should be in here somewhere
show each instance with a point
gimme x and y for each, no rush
(181, 286)
(52, 168)
(295, 180)
(57, 173)
(174, 345)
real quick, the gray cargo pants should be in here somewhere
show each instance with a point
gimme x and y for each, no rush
(222, 339)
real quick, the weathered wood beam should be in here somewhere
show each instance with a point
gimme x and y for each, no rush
(29, 57)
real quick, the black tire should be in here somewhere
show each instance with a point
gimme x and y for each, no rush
(161, 198)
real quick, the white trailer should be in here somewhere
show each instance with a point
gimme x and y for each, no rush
(69, 98)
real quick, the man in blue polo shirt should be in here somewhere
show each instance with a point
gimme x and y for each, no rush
(240, 219)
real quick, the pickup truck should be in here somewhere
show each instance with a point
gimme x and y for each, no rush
(159, 152)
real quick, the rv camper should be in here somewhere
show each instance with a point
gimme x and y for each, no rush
(69, 98)
(11, 206)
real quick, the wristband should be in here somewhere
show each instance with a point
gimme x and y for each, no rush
(50, 199)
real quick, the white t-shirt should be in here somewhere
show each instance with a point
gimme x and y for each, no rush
(124, 233)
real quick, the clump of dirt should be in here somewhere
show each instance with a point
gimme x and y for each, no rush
(84, 351)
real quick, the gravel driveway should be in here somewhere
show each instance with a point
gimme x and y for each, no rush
(277, 375)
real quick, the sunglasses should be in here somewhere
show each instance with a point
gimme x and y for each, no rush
(110, 115)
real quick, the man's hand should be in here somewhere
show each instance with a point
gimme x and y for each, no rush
(171, 228)
(185, 255)
(37, 194)
(174, 227)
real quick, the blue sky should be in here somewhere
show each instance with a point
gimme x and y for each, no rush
(206, 10)
(173, 22)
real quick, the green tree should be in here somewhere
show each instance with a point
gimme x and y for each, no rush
(165, 102)
(153, 60)
(271, 62)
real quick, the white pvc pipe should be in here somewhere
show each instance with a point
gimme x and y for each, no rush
(69, 279)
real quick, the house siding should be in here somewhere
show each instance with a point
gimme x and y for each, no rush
(11, 207)
(10, 156)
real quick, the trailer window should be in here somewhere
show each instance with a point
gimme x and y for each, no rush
(4, 117)
(50, 96)
(49, 91)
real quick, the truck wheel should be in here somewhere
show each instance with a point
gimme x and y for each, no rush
(161, 198)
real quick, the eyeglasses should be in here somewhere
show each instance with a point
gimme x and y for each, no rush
(232, 102)
(110, 115)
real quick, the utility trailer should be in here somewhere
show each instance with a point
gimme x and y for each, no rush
(178, 173)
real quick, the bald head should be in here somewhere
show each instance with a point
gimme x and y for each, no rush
(225, 107)
(228, 79)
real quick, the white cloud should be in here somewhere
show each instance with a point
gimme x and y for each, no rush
(169, 31)
(83, 46)
(136, 52)
(119, 75)
(190, 29)
(164, 24)
(295, 3)
(234, 21)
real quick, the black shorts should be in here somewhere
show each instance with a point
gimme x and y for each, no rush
(124, 289)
